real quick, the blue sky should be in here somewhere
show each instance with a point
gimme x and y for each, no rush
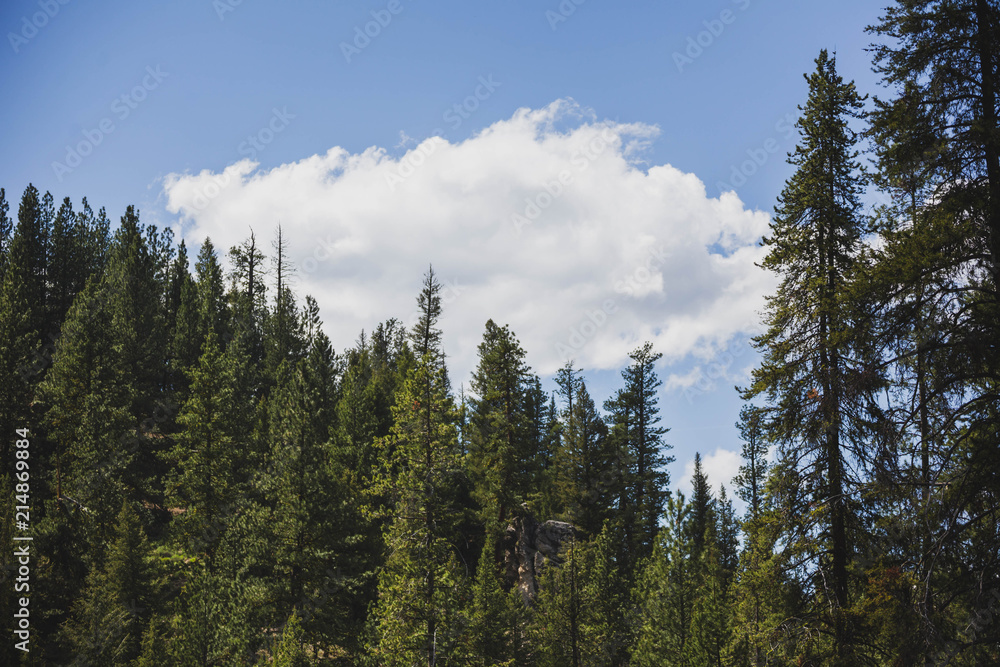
(163, 97)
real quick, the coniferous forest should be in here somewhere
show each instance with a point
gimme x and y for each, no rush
(211, 482)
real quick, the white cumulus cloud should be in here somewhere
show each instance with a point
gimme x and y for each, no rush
(547, 221)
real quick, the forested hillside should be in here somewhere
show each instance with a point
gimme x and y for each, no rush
(206, 480)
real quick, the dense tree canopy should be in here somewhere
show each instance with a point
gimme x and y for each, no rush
(212, 483)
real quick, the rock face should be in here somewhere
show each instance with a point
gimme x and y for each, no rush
(528, 547)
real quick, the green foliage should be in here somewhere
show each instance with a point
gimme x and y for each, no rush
(206, 452)
(665, 592)
(502, 462)
(291, 651)
(585, 472)
(811, 367)
(111, 615)
(490, 639)
(421, 584)
(212, 484)
(634, 418)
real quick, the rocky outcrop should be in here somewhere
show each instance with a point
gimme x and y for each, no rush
(528, 547)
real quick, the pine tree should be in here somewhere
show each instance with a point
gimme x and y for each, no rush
(489, 615)
(154, 646)
(702, 510)
(22, 316)
(727, 532)
(314, 520)
(64, 276)
(291, 651)
(186, 342)
(210, 621)
(88, 396)
(609, 631)
(95, 231)
(543, 441)
(936, 282)
(213, 314)
(206, 449)
(665, 593)
(586, 481)
(807, 370)
(135, 282)
(248, 286)
(710, 613)
(283, 339)
(635, 419)
(568, 379)
(248, 304)
(420, 585)
(946, 56)
(111, 615)
(501, 459)
(27, 258)
(6, 230)
(753, 584)
(563, 617)
(753, 473)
